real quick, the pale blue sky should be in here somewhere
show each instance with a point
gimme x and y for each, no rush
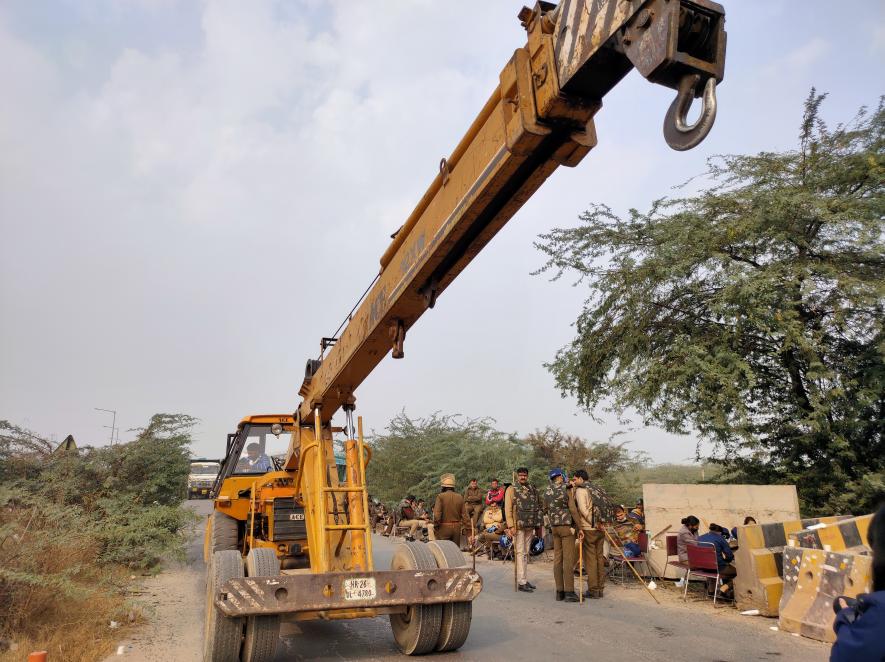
(179, 181)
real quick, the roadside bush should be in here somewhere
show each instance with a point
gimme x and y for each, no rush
(74, 524)
(140, 536)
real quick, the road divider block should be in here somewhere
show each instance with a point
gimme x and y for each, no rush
(813, 579)
(845, 535)
(759, 562)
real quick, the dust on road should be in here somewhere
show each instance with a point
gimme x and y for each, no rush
(625, 625)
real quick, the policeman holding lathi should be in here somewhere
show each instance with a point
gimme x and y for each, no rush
(556, 505)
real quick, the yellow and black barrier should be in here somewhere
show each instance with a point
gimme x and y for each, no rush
(813, 579)
(844, 535)
(759, 562)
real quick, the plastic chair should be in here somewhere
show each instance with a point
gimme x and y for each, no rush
(673, 550)
(702, 562)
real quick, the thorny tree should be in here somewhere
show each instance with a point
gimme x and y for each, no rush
(751, 312)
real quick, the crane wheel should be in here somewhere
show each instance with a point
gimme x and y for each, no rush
(262, 632)
(223, 533)
(416, 631)
(456, 616)
(222, 636)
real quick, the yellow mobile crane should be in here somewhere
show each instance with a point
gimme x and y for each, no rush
(293, 540)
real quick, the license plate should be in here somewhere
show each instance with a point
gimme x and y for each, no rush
(359, 588)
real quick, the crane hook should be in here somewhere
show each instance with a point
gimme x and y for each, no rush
(679, 135)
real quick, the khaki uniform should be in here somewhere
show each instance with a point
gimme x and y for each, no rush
(581, 506)
(448, 517)
(556, 506)
(522, 508)
(407, 517)
(473, 497)
(492, 517)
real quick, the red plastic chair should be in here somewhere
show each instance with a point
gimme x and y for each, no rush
(673, 550)
(702, 562)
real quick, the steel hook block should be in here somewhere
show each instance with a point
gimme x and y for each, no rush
(678, 133)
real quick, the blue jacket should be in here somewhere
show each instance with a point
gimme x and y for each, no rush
(860, 630)
(721, 548)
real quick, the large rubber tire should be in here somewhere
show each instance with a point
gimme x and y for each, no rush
(222, 636)
(223, 535)
(456, 616)
(417, 631)
(262, 632)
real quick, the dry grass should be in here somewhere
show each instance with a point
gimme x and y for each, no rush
(55, 595)
(81, 634)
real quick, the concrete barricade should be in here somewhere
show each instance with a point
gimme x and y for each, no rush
(759, 562)
(844, 535)
(813, 579)
(727, 505)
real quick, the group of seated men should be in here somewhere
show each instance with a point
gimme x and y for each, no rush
(483, 514)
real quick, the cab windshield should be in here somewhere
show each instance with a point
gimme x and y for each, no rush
(263, 451)
(204, 469)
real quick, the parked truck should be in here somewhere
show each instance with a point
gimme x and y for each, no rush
(201, 478)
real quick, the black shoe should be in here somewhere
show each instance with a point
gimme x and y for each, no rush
(560, 596)
(410, 538)
(531, 586)
(525, 588)
(593, 595)
(570, 596)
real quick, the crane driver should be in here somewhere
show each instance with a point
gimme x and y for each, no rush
(255, 461)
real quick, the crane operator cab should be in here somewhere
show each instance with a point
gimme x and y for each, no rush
(263, 448)
(253, 495)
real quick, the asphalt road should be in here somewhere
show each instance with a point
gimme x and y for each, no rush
(625, 625)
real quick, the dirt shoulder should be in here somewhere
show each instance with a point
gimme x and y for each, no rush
(173, 604)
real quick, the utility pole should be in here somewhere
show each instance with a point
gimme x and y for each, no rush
(113, 422)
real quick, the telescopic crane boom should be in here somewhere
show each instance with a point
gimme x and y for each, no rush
(539, 117)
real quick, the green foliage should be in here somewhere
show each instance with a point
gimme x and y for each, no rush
(411, 457)
(140, 536)
(626, 487)
(604, 462)
(71, 521)
(20, 452)
(126, 497)
(750, 312)
(152, 469)
(413, 454)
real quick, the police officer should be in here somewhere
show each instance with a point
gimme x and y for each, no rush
(407, 516)
(591, 510)
(556, 498)
(522, 508)
(448, 511)
(473, 497)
